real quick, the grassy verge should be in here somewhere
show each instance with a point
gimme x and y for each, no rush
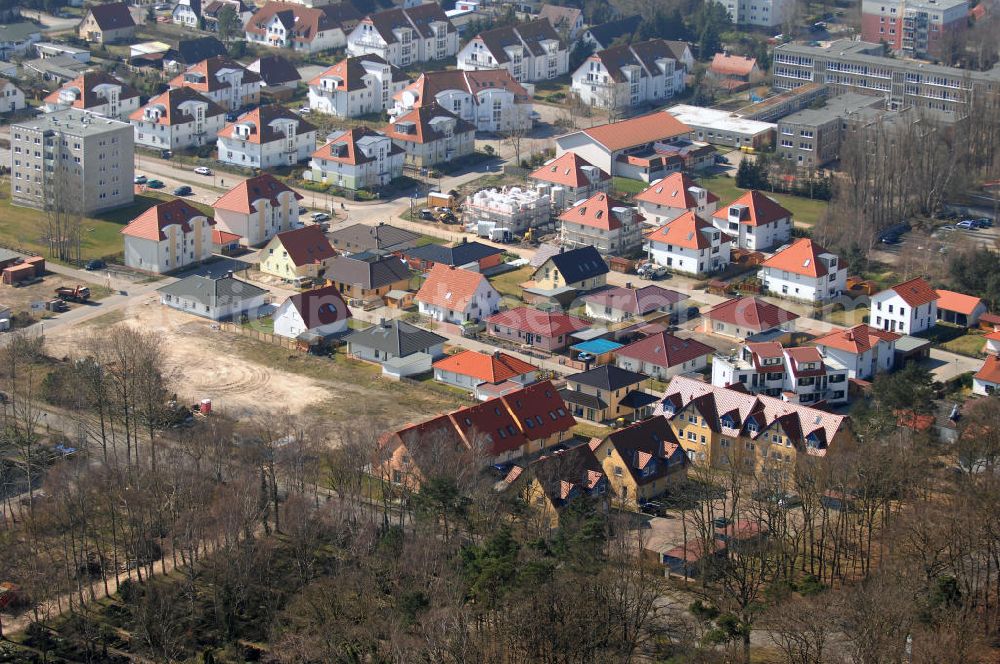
(627, 185)
(804, 210)
(970, 344)
(509, 283)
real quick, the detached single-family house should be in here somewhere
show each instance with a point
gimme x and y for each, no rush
(669, 198)
(17, 39)
(546, 485)
(617, 304)
(570, 179)
(302, 29)
(107, 23)
(602, 222)
(548, 330)
(266, 137)
(567, 21)
(581, 269)
(402, 349)
(97, 93)
(663, 356)
(454, 295)
(959, 308)
(359, 158)
(212, 9)
(11, 97)
(404, 35)
(864, 350)
(734, 72)
(190, 52)
(366, 276)
(487, 375)
(642, 461)
(167, 237)
(992, 343)
(755, 222)
(300, 252)
(474, 256)
(804, 271)
(431, 135)
(688, 244)
(531, 51)
(605, 35)
(987, 379)
(187, 13)
(216, 298)
(177, 119)
(356, 86)
(257, 209)
(628, 76)
(226, 82)
(607, 393)
(321, 312)
(745, 317)
(381, 237)
(906, 308)
(278, 76)
(490, 100)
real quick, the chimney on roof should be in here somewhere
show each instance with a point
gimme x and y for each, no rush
(229, 274)
(382, 322)
(850, 335)
(464, 239)
(628, 284)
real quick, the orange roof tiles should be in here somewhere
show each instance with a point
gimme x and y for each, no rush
(567, 171)
(542, 323)
(957, 302)
(86, 86)
(597, 212)
(800, 257)
(261, 120)
(644, 129)
(857, 339)
(990, 371)
(665, 350)
(150, 224)
(751, 313)
(687, 231)
(762, 210)
(494, 368)
(422, 117)
(203, 76)
(450, 287)
(171, 101)
(343, 148)
(732, 65)
(672, 192)
(915, 292)
(243, 196)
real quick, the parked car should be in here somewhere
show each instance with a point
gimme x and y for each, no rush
(182, 190)
(721, 159)
(320, 216)
(95, 264)
(139, 179)
(967, 225)
(984, 222)
(203, 170)
(653, 508)
(155, 184)
(302, 210)
(166, 154)
(427, 214)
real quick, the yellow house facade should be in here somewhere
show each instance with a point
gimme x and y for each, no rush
(302, 252)
(607, 393)
(582, 268)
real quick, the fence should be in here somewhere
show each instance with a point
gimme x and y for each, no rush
(257, 335)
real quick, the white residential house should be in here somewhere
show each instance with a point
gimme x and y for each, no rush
(762, 13)
(302, 29)
(754, 222)
(618, 304)
(11, 97)
(257, 209)
(666, 199)
(531, 51)
(229, 84)
(568, 21)
(796, 375)
(604, 223)
(570, 178)
(266, 137)
(628, 76)
(456, 295)
(215, 298)
(864, 350)
(177, 119)
(321, 311)
(167, 237)
(487, 376)
(356, 86)
(187, 13)
(403, 36)
(986, 381)
(431, 135)
(95, 92)
(358, 158)
(907, 308)
(491, 100)
(689, 245)
(804, 271)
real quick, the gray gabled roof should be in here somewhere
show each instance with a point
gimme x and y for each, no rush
(212, 291)
(367, 270)
(395, 337)
(362, 237)
(607, 377)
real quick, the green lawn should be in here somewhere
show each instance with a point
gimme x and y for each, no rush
(509, 283)
(627, 185)
(265, 325)
(971, 344)
(848, 318)
(804, 210)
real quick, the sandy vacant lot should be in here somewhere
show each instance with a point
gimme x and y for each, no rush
(241, 375)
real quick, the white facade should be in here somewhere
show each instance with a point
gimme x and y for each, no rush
(658, 214)
(379, 163)
(754, 237)
(407, 45)
(177, 250)
(266, 219)
(113, 107)
(690, 261)
(490, 109)
(635, 85)
(889, 311)
(658, 371)
(185, 15)
(483, 303)
(288, 323)
(329, 93)
(286, 148)
(276, 35)
(514, 209)
(878, 358)
(11, 97)
(765, 13)
(780, 376)
(517, 58)
(804, 271)
(193, 128)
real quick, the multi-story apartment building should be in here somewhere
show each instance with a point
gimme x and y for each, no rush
(689, 245)
(431, 135)
(356, 86)
(530, 51)
(257, 209)
(73, 161)
(764, 13)
(666, 199)
(514, 208)
(570, 179)
(177, 119)
(358, 158)
(95, 92)
(796, 375)
(303, 29)
(402, 36)
(491, 100)
(914, 27)
(804, 271)
(864, 350)
(720, 427)
(627, 76)
(167, 237)
(850, 66)
(266, 137)
(226, 82)
(906, 308)
(754, 222)
(605, 223)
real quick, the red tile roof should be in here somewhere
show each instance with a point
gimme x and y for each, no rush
(567, 171)
(688, 231)
(425, 89)
(150, 224)
(261, 121)
(242, 197)
(351, 72)
(957, 302)
(84, 90)
(762, 210)
(320, 306)
(636, 301)
(543, 323)
(990, 371)
(306, 246)
(450, 287)
(224, 237)
(751, 313)
(424, 131)
(343, 148)
(543, 407)
(915, 292)
(800, 257)
(494, 368)
(304, 23)
(732, 65)
(658, 126)
(673, 192)
(203, 76)
(598, 211)
(171, 102)
(804, 355)
(856, 340)
(665, 350)
(490, 426)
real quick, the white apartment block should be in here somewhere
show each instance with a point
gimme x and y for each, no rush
(73, 161)
(667, 199)
(177, 119)
(356, 86)
(514, 208)
(764, 13)
(530, 51)
(266, 137)
(431, 135)
(257, 209)
(795, 375)
(167, 237)
(864, 350)
(604, 223)
(229, 84)
(97, 93)
(491, 99)
(359, 158)
(628, 76)
(300, 28)
(689, 245)
(907, 308)
(754, 222)
(403, 36)
(804, 271)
